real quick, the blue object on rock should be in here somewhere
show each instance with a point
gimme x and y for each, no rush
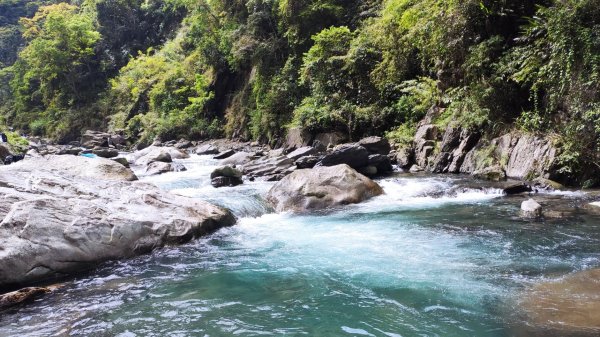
(89, 155)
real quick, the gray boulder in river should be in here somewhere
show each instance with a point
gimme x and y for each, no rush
(64, 214)
(320, 188)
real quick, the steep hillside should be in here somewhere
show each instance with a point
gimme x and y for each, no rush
(252, 69)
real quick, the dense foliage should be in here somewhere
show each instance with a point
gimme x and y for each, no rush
(250, 69)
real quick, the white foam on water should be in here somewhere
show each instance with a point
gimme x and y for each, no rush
(411, 193)
(373, 253)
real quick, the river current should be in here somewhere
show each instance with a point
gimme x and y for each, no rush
(434, 256)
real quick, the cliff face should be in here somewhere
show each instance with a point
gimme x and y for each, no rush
(456, 150)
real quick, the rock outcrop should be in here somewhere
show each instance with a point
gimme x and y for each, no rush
(457, 150)
(65, 214)
(321, 188)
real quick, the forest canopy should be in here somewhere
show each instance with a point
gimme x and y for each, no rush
(252, 69)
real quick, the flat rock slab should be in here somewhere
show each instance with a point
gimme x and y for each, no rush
(67, 216)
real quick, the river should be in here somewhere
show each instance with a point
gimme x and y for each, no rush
(434, 256)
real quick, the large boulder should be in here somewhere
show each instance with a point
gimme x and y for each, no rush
(226, 176)
(320, 188)
(65, 214)
(376, 145)
(381, 162)
(353, 155)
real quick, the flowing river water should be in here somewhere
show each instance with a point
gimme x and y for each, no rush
(434, 256)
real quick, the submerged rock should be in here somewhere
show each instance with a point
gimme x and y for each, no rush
(22, 295)
(531, 209)
(225, 181)
(566, 307)
(65, 214)
(320, 188)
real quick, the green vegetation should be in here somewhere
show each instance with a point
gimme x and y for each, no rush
(250, 69)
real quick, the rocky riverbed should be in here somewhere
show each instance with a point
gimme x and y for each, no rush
(472, 255)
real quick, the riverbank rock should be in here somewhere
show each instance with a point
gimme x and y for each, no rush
(492, 173)
(106, 152)
(307, 162)
(302, 152)
(206, 149)
(352, 155)
(321, 188)
(531, 209)
(65, 214)
(376, 145)
(91, 139)
(566, 307)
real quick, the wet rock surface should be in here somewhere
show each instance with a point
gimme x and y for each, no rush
(65, 214)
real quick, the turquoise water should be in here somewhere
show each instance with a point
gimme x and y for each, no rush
(435, 256)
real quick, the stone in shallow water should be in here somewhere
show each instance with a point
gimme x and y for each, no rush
(531, 209)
